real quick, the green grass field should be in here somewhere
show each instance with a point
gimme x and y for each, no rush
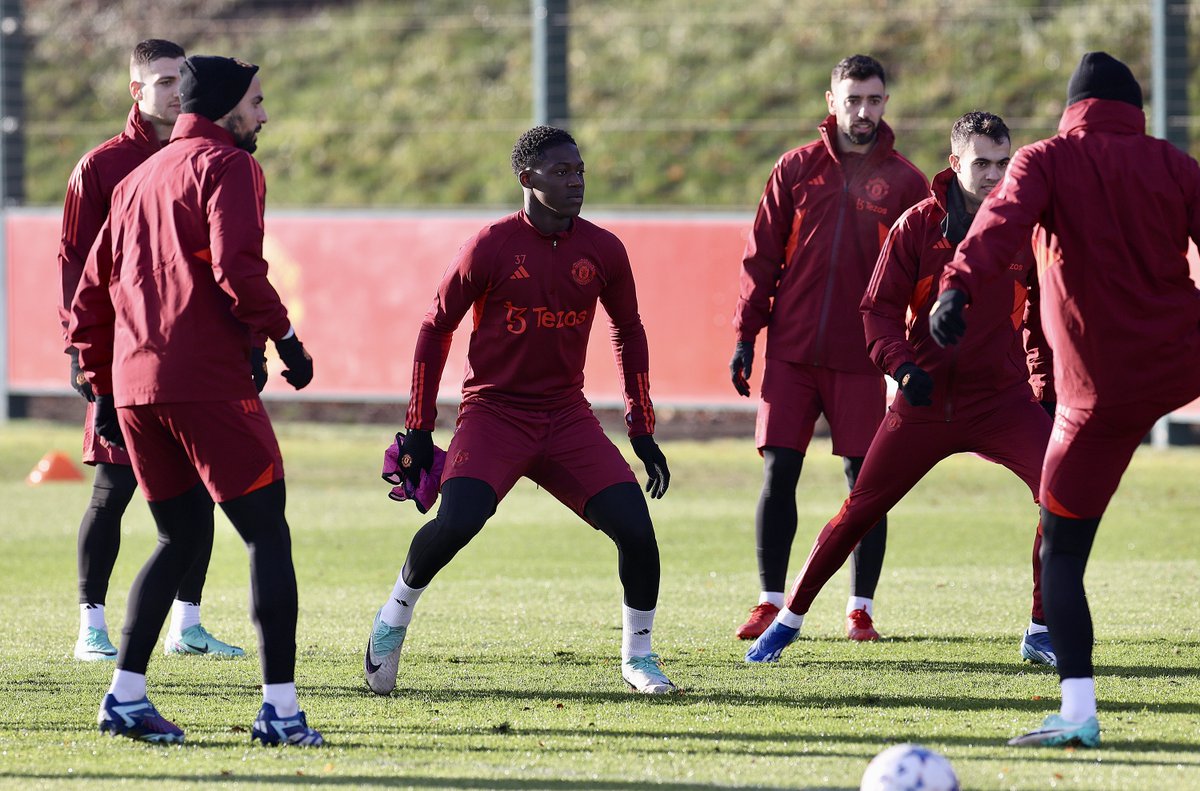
(509, 678)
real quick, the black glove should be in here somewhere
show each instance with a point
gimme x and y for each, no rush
(1049, 406)
(105, 423)
(299, 365)
(78, 380)
(416, 453)
(658, 477)
(258, 367)
(946, 323)
(915, 384)
(740, 365)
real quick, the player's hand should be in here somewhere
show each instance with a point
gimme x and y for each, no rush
(105, 422)
(915, 385)
(299, 365)
(416, 453)
(740, 365)
(658, 476)
(946, 322)
(258, 367)
(78, 380)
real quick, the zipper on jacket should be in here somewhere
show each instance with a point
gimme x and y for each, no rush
(829, 280)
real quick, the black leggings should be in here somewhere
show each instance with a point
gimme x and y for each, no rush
(775, 524)
(259, 519)
(100, 538)
(1066, 545)
(467, 503)
(866, 564)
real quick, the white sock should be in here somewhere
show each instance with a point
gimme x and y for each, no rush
(790, 619)
(127, 686)
(184, 615)
(1078, 699)
(91, 616)
(398, 610)
(1037, 628)
(636, 626)
(860, 603)
(771, 597)
(283, 698)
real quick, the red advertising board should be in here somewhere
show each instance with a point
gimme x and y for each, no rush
(357, 286)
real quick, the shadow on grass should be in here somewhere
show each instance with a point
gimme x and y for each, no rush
(360, 781)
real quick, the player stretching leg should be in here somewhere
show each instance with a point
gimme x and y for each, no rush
(823, 214)
(1121, 313)
(532, 280)
(977, 399)
(154, 85)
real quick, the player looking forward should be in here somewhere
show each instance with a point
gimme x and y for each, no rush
(973, 400)
(1121, 312)
(154, 86)
(532, 281)
(820, 223)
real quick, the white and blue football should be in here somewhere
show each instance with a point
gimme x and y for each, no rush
(908, 767)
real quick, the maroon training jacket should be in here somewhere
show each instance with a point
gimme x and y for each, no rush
(991, 358)
(533, 301)
(1117, 208)
(89, 193)
(176, 283)
(821, 221)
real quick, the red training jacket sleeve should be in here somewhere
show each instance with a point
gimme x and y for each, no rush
(465, 282)
(765, 256)
(84, 211)
(628, 337)
(1038, 356)
(890, 292)
(1003, 224)
(235, 221)
(91, 327)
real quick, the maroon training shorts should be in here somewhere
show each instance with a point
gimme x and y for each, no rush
(229, 446)
(794, 395)
(564, 451)
(1089, 451)
(95, 449)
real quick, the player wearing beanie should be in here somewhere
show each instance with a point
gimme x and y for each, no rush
(1117, 209)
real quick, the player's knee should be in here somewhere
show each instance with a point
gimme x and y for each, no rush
(781, 470)
(1064, 536)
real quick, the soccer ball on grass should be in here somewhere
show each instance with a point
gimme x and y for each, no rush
(908, 767)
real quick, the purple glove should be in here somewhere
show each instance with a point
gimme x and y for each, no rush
(425, 493)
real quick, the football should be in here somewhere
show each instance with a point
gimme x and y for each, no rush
(907, 767)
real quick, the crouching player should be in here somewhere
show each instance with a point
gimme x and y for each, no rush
(532, 280)
(978, 400)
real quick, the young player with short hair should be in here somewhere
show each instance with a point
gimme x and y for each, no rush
(823, 216)
(532, 281)
(154, 86)
(973, 400)
(1117, 209)
(173, 294)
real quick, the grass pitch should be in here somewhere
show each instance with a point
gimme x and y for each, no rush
(509, 678)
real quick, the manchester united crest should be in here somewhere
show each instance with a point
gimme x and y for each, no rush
(583, 271)
(877, 189)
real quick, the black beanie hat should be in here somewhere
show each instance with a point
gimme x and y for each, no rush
(211, 86)
(1101, 76)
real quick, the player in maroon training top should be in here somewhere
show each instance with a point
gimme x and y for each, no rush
(1117, 209)
(154, 85)
(531, 282)
(823, 216)
(172, 299)
(976, 400)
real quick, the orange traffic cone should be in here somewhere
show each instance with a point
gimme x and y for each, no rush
(54, 466)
